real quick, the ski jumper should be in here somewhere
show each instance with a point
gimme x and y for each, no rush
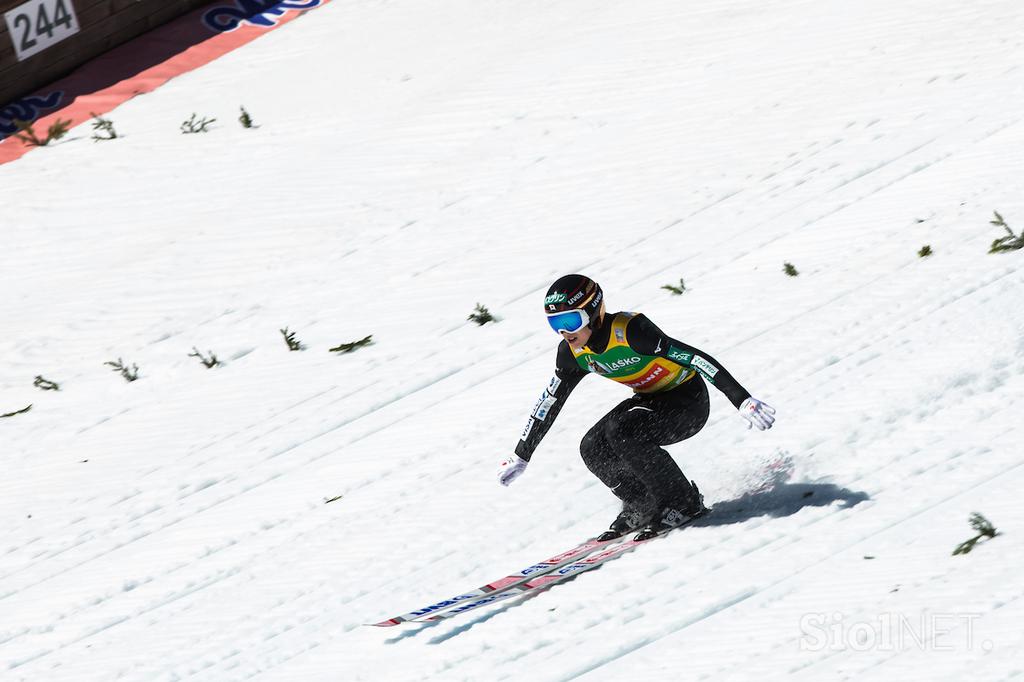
(670, 403)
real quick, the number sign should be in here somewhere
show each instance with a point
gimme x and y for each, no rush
(39, 24)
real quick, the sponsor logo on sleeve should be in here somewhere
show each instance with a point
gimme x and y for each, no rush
(679, 356)
(544, 407)
(529, 427)
(553, 386)
(705, 367)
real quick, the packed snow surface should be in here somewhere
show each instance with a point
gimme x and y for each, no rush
(416, 159)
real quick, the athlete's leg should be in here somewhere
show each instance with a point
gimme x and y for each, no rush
(636, 432)
(610, 467)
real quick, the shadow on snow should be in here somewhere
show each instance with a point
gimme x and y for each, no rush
(781, 499)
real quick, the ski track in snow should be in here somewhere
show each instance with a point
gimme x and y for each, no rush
(175, 528)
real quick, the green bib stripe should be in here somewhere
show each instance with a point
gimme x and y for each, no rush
(619, 362)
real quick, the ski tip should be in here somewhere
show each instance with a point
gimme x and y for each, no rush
(384, 623)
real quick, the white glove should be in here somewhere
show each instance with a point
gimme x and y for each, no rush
(761, 415)
(511, 469)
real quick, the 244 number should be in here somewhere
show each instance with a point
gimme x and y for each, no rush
(44, 25)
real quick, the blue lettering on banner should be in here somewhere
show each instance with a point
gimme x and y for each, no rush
(264, 13)
(26, 109)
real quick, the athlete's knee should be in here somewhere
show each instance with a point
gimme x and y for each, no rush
(692, 424)
(621, 430)
(593, 446)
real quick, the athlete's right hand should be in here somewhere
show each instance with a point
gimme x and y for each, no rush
(511, 468)
(757, 414)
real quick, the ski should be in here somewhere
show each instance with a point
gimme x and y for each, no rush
(534, 585)
(501, 585)
(552, 577)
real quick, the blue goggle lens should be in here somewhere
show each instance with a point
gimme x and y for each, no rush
(570, 321)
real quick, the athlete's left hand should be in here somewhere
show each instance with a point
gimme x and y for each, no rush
(761, 415)
(511, 468)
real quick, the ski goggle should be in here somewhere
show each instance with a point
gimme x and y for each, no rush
(569, 321)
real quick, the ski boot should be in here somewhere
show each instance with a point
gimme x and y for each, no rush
(674, 516)
(629, 519)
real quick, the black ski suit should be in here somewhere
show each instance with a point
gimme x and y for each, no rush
(670, 404)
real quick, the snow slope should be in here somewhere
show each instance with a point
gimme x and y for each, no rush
(415, 160)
